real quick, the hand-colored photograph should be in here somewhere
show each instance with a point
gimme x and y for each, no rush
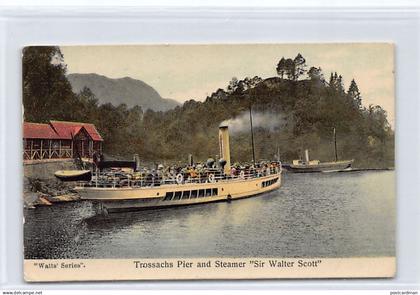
(224, 151)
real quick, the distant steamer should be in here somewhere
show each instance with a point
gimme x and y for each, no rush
(308, 166)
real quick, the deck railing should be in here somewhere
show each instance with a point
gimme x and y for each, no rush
(115, 179)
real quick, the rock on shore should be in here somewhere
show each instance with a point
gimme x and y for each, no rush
(45, 192)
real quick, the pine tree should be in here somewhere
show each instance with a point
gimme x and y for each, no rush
(286, 67)
(354, 94)
(299, 66)
(281, 69)
(339, 84)
(331, 82)
(336, 83)
(290, 69)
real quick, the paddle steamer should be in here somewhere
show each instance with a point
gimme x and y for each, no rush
(126, 192)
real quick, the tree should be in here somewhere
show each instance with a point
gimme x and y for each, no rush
(249, 83)
(256, 80)
(86, 109)
(339, 84)
(378, 122)
(286, 67)
(233, 85)
(354, 94)
(315, 74)
(290, 69)
(331, 81)
(336, 83)
(219, 94)
(281, 67)
(299, 66)
(47, 94)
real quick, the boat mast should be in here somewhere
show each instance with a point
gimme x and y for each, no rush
(335, 144)
(252, 134)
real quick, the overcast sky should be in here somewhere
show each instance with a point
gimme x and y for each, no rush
(184, 72)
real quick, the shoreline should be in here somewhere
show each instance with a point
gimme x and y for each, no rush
(46, 192)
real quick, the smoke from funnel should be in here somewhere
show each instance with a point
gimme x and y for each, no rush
(264, 120)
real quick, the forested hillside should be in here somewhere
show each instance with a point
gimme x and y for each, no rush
(296, 110)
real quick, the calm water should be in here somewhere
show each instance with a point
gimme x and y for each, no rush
(312, 215)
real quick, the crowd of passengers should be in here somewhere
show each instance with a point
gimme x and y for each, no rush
(200, 173)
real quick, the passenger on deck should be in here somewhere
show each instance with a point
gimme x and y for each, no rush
(193, 172)
(149, 179)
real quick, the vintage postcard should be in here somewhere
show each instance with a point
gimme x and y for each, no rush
(239, 161)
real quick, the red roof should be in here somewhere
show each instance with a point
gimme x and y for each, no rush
(59, 130)
(68, 129)
(37, 130)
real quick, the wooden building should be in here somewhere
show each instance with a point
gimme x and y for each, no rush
(60, 140)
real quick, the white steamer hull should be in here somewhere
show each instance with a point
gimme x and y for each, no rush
(139, 198)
